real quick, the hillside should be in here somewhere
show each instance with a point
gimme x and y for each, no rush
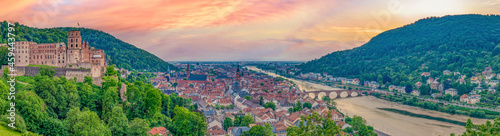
(120, 53)
(463, 43)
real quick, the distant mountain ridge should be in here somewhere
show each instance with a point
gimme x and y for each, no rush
(463, 43)
(120, 53)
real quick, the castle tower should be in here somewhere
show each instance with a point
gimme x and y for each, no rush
(74, 49)
(74, 40)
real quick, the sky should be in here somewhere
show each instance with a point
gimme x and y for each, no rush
(238, 30)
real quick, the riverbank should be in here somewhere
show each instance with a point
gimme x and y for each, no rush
(303, 85)
(396, 124)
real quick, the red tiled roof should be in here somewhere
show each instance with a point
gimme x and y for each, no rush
(159, 130)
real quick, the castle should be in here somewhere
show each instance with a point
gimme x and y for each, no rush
(74, 59)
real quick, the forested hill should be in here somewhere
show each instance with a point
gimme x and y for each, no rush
(122, 54)
(463, 43)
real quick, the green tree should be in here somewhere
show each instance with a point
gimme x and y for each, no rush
(88, 80)
(270, 105)
(228, 122)
(52, 126)
(261, 101)
(408, 88)
(248, 97)
(19, 125)
(117, 121)
(188, 123)
(138, 127)
(487, 129)
(447, 97)
(89, 97)
(247, 120)
(110, 100)
(45, 71)
(85, 122)
(153, 101)
(32, 108)
(308, 105)
(5, 73)
(315, 126)
(425, 90)
(110, 71)
(259, 130)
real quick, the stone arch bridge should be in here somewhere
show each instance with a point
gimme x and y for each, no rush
(334, 93)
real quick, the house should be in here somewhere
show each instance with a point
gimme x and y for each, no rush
(415, 92)
(441, 87)
(292, 119)
(473, 99)
(216, 131)
(491, 89)
(280, 129)
(436, 95)
(474, 80)
(446, 72)
(463, 98)
(392, 87)
(162, 131)
(214, 123)
(487, 71)
(451, 91)
(490, 76)
(430, 80)
(355, 81)
(236, 131)
(460, 81)
(209, 112)
(426, 74)
(493, 82)
(418, 84)
(373, 84)
(477, 90)
(347, 81)
(225, 102)
(435, 85)
(285, 104)
(401, 89)
(456, 73)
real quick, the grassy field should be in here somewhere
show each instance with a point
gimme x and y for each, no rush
(5, 131)
(24, 79)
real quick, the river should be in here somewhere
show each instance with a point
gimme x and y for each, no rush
(391, 123)
(303, 85)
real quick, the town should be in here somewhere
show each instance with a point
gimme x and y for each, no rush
(228, 92)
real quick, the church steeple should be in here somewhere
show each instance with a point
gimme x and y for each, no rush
(238, 72)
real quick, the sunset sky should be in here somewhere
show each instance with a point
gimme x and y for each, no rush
(227, 30)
